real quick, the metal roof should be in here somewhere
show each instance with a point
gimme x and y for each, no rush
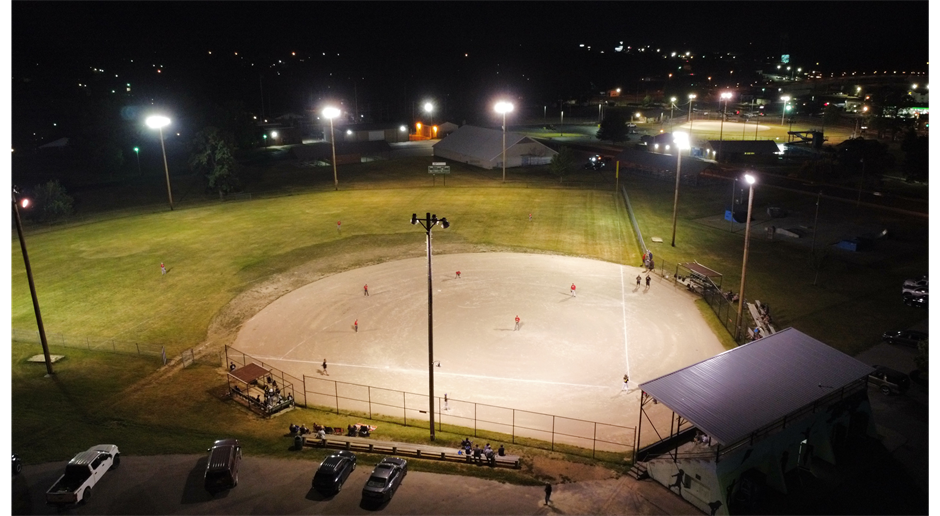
(701, 269)
(662, 162)
(742, 390)
(742, 146)
(483, 143)
(249, 372)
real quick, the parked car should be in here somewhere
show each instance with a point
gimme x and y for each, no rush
(82, 473)
(225, 456)
(631, 125)
(385, 479)
(915, 296)
(595, 162)
(916, 282)
(914, 290)
(888, 380)
(906, 337)
(333, 472)
(17, 464)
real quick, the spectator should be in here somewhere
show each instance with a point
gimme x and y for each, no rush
(487, 448)
(321, 434)
(304, 430)
(231, 366)
(501, 451)
(491, 457)
(350, 431)
(237, 389)
(294, 429)
(477, 454)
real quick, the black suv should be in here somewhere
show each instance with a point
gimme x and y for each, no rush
(385, 479)
(906, 337)
(888, 380)
(222, 466)
(333, 472)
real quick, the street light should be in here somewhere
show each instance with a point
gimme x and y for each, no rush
(32, 286)
(747, 238)
(159, 122)
(691, 98)
(726, 95)
(331, 113)
(672, 107)
(137, 152)
(503, 108)
(427, 223)
(786, 100)
(682, 142)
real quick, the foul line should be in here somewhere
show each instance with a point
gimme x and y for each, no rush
(436, 373)
(623, 304)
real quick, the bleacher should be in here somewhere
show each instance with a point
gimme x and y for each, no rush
(420, 451)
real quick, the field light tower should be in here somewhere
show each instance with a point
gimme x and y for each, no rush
(682, 142)
(32, 285)
(503, 108)
(159, 122)
(331, 113)
(786, 101)
(747, 239)
(725, 96)
(691, 99)
(427, 223)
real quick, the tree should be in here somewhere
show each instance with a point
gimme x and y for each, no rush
(52, 202)
(562, 163)
(613, 127)
(213, 158)
(916, 150)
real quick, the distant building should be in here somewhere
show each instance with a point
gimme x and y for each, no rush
(387, 132)
(663, 166)
(745, 151)
(483, 148)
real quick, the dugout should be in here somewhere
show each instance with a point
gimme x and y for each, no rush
(733, 432)
(254, 386)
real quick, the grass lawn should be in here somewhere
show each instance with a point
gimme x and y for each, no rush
(103, 279)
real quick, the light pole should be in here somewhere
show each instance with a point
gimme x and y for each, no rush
(726, 95)
(32, 286)
(747, 239)
(691, 98)
(600, 118)
(427, 223)
(783, 114)
(137, 152)
(672, 108)
(503, 108)
(429, 108)
(815, 221)
(331, 113)
(159, 122)
(682, 142)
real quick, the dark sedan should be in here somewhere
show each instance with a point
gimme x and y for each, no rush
(889, 381)
(333, 472)
(906, 337)
(385, 479)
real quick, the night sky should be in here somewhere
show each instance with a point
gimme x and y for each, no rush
(385, 56)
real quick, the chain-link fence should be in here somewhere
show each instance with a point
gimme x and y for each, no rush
(599, 440)
(89, 343)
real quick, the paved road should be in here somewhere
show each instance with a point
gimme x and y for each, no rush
(172, 484)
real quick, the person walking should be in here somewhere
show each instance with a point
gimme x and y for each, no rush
(339, 224)
(626, 382)
(530, 217)
(365, 289)
(162, 269)
(457, 276)
(573, 290)
(638, 279)
(324, 366)
(356, 326)
(647, 281)
(548, 494)
(446, 405)
(517, 323)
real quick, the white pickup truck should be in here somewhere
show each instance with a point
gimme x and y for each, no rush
(82, 473)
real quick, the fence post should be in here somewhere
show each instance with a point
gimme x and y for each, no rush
(553, 433)
(474, 419)
(336, 395)
(594, 451)
(404, 411)
(370, 400)
(138, 347)
(513, 426)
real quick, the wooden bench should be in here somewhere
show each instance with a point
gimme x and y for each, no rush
(420, 451)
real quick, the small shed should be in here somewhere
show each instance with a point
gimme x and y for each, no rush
(663, 166)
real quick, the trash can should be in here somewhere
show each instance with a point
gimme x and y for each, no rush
(299, 442)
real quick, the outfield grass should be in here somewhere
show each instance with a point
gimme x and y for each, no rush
(103, 279)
